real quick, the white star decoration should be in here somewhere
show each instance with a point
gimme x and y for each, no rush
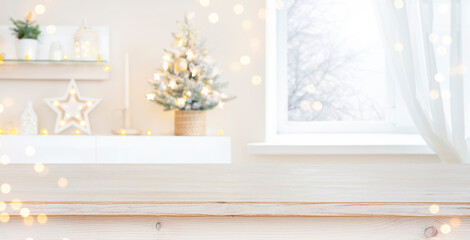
(72, 109)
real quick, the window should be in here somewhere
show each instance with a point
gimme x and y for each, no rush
(332, 74)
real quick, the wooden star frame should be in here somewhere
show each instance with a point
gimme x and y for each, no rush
(72, 109)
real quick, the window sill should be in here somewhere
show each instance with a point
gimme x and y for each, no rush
(342, 144)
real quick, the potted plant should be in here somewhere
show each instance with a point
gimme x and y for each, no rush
(27, 32)
(188, 82)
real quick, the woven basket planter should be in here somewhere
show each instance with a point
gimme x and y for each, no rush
(190, 123)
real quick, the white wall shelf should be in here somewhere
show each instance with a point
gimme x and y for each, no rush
(13, 67)
(115, 149)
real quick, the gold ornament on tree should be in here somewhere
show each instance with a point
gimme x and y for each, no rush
(181, 65)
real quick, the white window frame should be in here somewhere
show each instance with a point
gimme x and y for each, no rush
(318, 138)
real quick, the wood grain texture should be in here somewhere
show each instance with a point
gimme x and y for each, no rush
(228, 228)
(242, 190)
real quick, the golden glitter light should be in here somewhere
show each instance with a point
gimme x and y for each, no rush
(38, 167)
(445, 228)
(149, 133)
(4, 217)
(62, 182)
(107, 68)
(42, 218)
(122, 132)
(44, 132)
(77, 132)
(25, 212)
(13, 131)
(434, 209)
(5, 188)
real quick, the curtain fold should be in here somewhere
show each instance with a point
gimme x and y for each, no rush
(410, 41)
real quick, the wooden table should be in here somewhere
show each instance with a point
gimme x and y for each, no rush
(282, 201)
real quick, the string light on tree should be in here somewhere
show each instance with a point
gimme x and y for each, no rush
(188, 80)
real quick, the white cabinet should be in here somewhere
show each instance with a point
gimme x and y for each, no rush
(115, 149)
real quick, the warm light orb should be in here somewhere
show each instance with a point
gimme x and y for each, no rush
(2, 131)
(40, 9)
(204, 3)
(220, 132)
(213, 18)
(434, 209)
(434, 94)
(5, 188)
(5, 159)
(73, 91)
(122, 132)
(256, 80)
(433, 37)
(445, 228)
(310, 88)
(27, 57)
(30, 151)
(25, 212)
(245, 60)
(398, 47)
(65, 57)
(148, 132)
(77, 132)
(83, 123)
(107, 68)
(38, 167)
(62, 123)
(62, 182)
(398, 4)
(439, 77)
(317, 106)
(42, 218)
(446, 95)
(13, 131)
(238, 9)
(4, 217)
(44, 132)
(441, 50)
(447, 40)
(51, 29)
(55, 103)
(247, 25)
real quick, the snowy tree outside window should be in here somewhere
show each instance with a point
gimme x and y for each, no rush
(335, 62)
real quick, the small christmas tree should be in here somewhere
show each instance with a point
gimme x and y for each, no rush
(188, 79)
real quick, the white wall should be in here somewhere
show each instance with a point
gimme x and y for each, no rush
(142, 28)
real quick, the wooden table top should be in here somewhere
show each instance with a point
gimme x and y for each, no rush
(254, 190)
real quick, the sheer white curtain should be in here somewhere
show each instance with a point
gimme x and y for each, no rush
(423, 40)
